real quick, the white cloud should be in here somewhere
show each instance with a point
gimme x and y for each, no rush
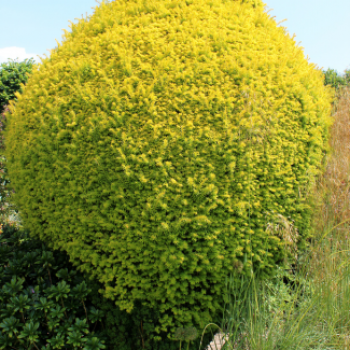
(16, 53)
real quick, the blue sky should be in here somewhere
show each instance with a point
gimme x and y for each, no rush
(29, 27)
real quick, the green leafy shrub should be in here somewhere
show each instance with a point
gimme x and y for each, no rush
(41, 302)
(158, 142)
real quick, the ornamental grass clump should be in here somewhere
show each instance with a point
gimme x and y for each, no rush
(157, 142)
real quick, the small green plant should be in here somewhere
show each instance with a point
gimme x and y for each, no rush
(185, 334)
(43, 305)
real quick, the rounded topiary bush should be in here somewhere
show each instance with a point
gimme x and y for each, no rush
(159, 142)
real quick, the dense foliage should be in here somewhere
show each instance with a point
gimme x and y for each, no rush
(161, 143)
(41, 302)
(12, 76)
